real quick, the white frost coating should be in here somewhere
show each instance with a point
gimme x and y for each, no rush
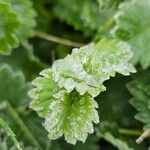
(87, 68)
(69, 84)
(64, 96)
(43, 93)
(70, 74)
(72, 116)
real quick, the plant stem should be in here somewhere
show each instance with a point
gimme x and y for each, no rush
(21, 124)
(56, 39)
(10, 133)
(130, 132)
(144, 135)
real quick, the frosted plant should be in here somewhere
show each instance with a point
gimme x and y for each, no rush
(72, 115)
(64, 95)
(88, 67)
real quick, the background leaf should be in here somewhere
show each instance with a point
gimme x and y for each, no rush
(8, 28)
(26, 15)
(22, 58)
(106, 131)
(87, 15)
(140, 88)
(71, 115)
(134, 27)
(14, 89)
(87, 22)
(10, 133)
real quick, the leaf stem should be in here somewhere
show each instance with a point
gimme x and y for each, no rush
(56, 39)
(143, 136)
(130, 132)
(21, 124)
(10, 133)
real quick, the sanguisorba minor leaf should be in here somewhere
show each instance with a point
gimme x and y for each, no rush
(8, 28)
(140, 89)
(133, 26)
(13, 87)
(64, 95)
(26, 16)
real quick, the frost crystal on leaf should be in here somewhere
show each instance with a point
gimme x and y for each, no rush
(64, 95)
(88, 67)
(70, 74)
(72, 116)
(43, 92)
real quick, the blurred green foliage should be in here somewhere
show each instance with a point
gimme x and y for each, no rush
(83, 21)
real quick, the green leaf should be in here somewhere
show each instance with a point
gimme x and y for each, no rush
(106, 131)
(46, 95)
(133, 26)
(88, 67)
(26, 16)
(5, 143)
(44, 16)
(35, 125)
(70, 74)
(8, 28)
(140, 89)
(47, 98)
(13, 87)
(23, 59)
(15, 121)
(10, 133)
(64, 95)
(15, 13)
(14, 97)
(71, 115)
(43, 94)
(86, 15)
